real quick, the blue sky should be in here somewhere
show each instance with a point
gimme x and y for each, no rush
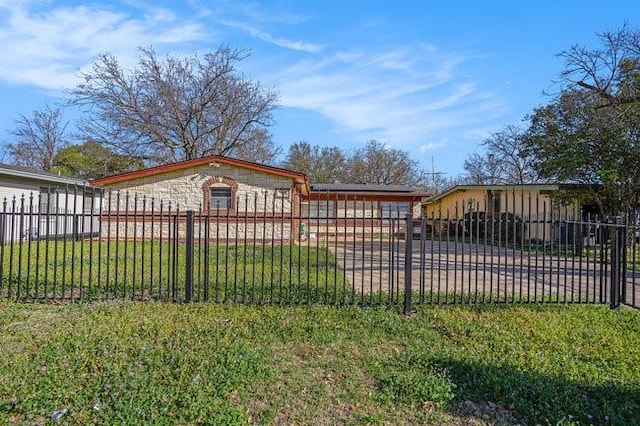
(433, 78)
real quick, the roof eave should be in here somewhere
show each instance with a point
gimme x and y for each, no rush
(42, 177)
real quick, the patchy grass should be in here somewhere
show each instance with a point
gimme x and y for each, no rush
(162, 363)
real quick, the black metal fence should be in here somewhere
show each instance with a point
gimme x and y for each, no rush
(329, 250)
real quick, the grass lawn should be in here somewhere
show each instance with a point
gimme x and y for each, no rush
(147, 270)
(163, 363)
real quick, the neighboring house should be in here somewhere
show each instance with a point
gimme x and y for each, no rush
(537, 207)
(233, 191)
(38, 204)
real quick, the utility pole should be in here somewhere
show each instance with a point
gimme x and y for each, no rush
(433, 175)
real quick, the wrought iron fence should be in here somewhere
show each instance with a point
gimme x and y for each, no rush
(329, 250)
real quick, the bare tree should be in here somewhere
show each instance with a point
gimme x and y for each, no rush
(259, 149)
(481, 169)
(610, 71)
(440, 182)
(380, 165)
(170, 109)
(511, 156)
(40, 137)
(507, 159)
(320, 164)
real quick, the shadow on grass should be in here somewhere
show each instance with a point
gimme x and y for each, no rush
(536, 398)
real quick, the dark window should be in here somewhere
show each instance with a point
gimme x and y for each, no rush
(220, 198)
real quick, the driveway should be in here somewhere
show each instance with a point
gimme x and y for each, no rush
(482, 272)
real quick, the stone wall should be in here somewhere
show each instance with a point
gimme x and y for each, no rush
(187, 189)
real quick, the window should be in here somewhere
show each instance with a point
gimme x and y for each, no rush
(282, 193)
(220, 198)
(319, 210)
(394, 209)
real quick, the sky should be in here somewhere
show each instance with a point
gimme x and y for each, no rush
(433, 78)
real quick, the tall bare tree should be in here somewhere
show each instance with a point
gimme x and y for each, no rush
(380, 165)
(507, 159)
(610, 71)
(320, 164)
(39, 137)
(481, 169)
(170, 109)
(259, 149)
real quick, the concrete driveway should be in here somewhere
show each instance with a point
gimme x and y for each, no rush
(480, 272)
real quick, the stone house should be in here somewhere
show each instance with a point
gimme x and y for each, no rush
(360, 208)
(238, 199)
(241, 199)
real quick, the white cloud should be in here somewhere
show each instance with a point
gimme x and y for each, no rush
(404, 96)
(432, 146)
(46, 48)
(278, 41)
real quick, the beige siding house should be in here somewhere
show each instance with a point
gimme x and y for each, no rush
(536, 206)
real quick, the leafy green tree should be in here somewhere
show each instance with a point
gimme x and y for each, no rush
(575, 140)
(589, 133)
(91, 160)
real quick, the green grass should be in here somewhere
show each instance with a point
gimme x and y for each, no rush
(163, 363)
(153, 270)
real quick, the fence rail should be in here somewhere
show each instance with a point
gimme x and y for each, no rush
(350, 254)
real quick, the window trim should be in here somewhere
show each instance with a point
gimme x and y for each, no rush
(213, 182)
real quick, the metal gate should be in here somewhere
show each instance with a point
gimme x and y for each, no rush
(473, 261)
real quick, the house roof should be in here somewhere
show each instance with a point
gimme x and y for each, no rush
(463, 188)
(350, 187)
(363, 191)
(298, 178)
(40, 175)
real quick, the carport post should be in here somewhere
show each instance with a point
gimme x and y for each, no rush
(408, 255)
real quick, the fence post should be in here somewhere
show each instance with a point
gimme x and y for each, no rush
(188, 285)
(408, 258)
(617, 261)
